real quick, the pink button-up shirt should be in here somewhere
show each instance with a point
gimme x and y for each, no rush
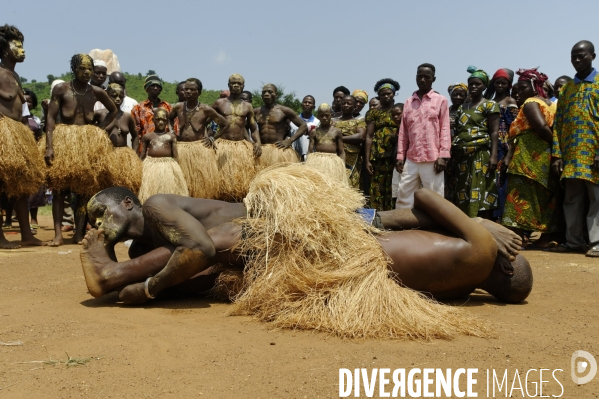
(424, 132)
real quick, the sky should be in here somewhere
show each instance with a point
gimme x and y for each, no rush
(309, 47)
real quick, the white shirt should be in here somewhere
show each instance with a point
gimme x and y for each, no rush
(126, 106)
(301, 144)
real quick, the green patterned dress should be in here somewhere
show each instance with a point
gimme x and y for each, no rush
(353, 157)
(382, 157)
(473, 188)
(531, 202)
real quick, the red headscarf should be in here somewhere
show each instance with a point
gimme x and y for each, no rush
(503, 73)
(535, 78)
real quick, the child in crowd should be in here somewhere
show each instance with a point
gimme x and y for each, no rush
(326, 152)
(161, 172)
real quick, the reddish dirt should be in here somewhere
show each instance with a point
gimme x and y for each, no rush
(183, 348)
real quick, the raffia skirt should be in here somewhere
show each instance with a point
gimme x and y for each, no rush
(329, 164)
(22, 167)
(272, 155)
(200, 169)
(161, 176)
(235, 167)
(127, 169)
(83, 159)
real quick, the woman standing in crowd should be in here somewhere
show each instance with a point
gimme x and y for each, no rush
(499, 90)
(531, 203)
(361, 100)
(458, 92)
(474, 151)
(354, 131)
(381, 146)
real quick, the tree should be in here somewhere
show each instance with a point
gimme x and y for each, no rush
(151, 72)
(50, 78)
(33, 81)
(23, 80)
(286, 99)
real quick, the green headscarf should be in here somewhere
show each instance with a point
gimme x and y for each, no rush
(479, 74)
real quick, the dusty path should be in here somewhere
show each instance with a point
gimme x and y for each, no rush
(187, 348)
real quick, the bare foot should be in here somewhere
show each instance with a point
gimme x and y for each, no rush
(31, 242)
(508, 242)
(56, 242)
(5, 244)
(94, 261)
(133, 294)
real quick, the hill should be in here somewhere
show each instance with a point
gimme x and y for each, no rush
(135, 90)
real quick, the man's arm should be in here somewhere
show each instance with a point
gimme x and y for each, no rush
(444, 137)
(55, 101)
(133, 132)
(103, 97)
(402, 141)
(144, 147)
(174, 147)
(368, 146)
(340, 147)
(251, 121)
(174, 112)
(299, 122)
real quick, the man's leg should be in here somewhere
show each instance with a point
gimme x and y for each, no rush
(409, 182)
(103, 275)
(593, 218)
(57, 211)
(22, 212)
(430, 179)
(508, 243)
(573, 205)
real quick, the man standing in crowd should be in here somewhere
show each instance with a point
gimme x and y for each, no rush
(143, 113)
(301, 145)
(272, 120)
(338, 95)
(424, 140)
(576, 151)
(99, 75)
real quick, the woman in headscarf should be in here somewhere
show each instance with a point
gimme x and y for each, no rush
(499, 90)
(458, 92)
(361, 100)
(531, 203)
(474, 151)
(354, 131)
(381, 146)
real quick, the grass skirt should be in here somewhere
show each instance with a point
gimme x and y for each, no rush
(313, 263)
(272, 155)
(329, 164)
(82, 159)
(161, 176)
(22, 167)
(200, 169)
(127, 169)
(236, 168)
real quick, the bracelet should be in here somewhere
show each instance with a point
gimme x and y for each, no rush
(146, 289)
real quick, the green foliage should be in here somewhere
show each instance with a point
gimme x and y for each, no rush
(50, 78)
(135, 89)
(23, 80)
(285, 99)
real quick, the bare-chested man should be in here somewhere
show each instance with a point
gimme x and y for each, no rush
(74, 103)
(12, 99)
(196, 153)
(177, 239)
(273, 120)
(235, 150)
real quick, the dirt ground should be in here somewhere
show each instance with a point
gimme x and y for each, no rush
(185, 348)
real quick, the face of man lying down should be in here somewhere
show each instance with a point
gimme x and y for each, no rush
(113, 217)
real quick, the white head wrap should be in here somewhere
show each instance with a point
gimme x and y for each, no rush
(99, 63)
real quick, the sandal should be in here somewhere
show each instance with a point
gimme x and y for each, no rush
(593, 252)
(564, 249)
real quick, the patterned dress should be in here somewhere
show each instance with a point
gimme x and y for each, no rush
(576, 132)
(382, 158)
(506, 117)
(473, 188)
(531, 202)
(353, 158)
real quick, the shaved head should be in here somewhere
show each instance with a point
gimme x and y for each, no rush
(584, 45)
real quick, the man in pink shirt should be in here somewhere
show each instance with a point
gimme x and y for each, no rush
(424, 140)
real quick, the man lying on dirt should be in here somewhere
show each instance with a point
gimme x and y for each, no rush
(434, 247)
